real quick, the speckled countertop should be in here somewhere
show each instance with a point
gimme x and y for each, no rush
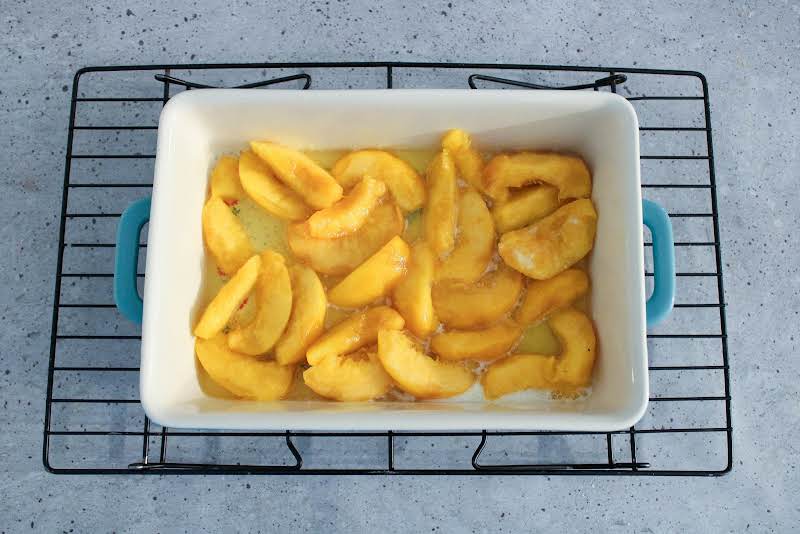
(748, 50)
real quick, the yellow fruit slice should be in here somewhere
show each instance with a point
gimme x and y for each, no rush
(475, 242)
(306, 321)
(350, 213)
(468, 160)
(300, 173)
(487, 344)
(243, 375)
(227, 301)
(412, 296)
(417, 373)
(225, 179)
(374, 278)
(351, 377)
(524, 207)
(224, 236)
(440, 213)
(343, 254)
(517, 373)
(568, 173)
(403, 182)
(468, 306)
(553, 244)
(274, 304)
(358, 330)
(545, 296)
(267, 191)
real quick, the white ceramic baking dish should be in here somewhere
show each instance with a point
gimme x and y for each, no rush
(197, 126)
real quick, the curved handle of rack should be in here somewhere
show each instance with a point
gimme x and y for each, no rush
(126, 259)
(660, 302)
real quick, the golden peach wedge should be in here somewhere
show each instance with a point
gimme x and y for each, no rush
(568, 173)
(273, 306)
(417, 373)
(575, 331)
(474, 244)
(307, 319)
(225, 236)
(358, 330)
(441, 211)
(468, 160)
(350, 213)
(525, 207)
(351, 377)
(517, 373)
(225, 180)
(300, 173)
(553, 244)
(374, 278)
(341, 255)
(227, 301)
(267, 191)
(468, 306)
(487, 344)
(543, 297)
(412, 296)
(403, 182)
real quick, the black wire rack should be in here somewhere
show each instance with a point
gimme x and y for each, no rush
(94, 423)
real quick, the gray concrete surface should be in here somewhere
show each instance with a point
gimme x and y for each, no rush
(749, 52)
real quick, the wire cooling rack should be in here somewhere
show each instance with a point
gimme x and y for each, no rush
(94, 423)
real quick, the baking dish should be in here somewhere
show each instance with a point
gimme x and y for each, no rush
(197, 126)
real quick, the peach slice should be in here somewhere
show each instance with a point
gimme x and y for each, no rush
(274, 304)
(343, 254)
(225, 236)
(403, 182)
(307, 319)
(553, 244)
(412, 296)
(468, 160)
(517, 373)
(468, 306)
(358, 330)
(351, 377)
(267, 191)
(225, 179)
(487, 344)
(243, 375)
(475, 242)
(417, 373)
(524, 207)
(300, 173)
(350, 213)
(546, 296)
(440, 213)
(227, 301)
(568, 173)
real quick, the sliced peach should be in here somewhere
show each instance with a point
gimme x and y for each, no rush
(350, 213)
(351, 377)
(225, 179)
(487, 344)
(568, 173)
(225, 236)
(274, 304)
(343, 254)
(460, 305)
(546, 296)
(440, 213)
(468, 160)
(403, 182)
(300, 173)
(474, 244)
(374, 278)
(553, 244)
(524, 207)
(307, 319)
(417, 373)
(358, 330)
(267, 191)
(228, 300)
(517, 373)
(412, 296)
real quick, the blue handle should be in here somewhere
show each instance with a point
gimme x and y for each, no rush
(660, 302)
(126, 259)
